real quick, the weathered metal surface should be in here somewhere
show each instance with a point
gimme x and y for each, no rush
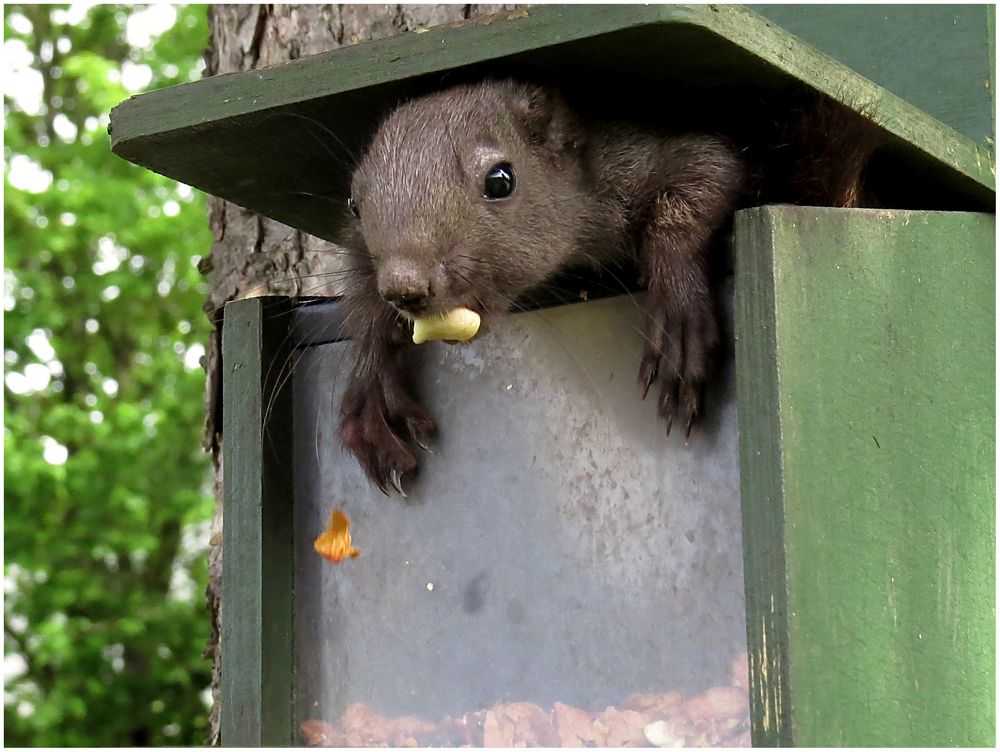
(866, 379)
(557, 546)
(305, 122)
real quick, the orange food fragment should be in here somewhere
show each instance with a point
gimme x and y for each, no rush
(334, 544)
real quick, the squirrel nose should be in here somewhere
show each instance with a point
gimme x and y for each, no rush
(407, 299)
(406, 288)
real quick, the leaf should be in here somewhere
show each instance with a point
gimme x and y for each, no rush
(334, 544)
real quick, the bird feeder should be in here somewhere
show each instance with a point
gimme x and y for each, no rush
(563, 572)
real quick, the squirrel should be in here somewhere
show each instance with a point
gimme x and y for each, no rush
(476, 195)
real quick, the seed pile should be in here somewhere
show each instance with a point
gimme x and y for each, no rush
(717, 717)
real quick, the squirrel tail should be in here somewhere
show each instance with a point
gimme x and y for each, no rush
(817, 155)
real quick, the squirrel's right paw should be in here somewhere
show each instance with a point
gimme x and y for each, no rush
(379, 425)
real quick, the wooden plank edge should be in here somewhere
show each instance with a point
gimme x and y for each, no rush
(761, 489)
(408, 55)
(257, 586)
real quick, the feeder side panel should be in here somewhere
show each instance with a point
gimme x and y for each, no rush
(883, 491)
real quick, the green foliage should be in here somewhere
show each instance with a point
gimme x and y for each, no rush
(107, 494)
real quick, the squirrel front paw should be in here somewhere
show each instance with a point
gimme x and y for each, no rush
(380, 424)
(680, 344)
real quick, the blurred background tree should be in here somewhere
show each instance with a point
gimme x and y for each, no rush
(107, 494)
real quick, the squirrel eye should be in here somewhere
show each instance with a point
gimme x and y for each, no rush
(353, 205)
(499, 182)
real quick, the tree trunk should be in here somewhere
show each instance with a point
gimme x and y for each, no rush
(250, 252)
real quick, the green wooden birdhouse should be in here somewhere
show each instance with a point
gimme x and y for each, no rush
(563, 572)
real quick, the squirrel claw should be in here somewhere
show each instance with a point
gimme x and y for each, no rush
(397, 482)
(647, 375)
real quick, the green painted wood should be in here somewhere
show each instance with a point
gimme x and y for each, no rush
(257, 575)
(991, 25)
(761, 489)
(866, 385)
(934, 56)
(282, 140)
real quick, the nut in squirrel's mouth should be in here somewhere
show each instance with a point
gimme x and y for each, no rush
(457, 325)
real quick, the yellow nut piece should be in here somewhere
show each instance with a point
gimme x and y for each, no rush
(460, 324)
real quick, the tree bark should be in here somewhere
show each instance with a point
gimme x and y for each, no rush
(251, 253)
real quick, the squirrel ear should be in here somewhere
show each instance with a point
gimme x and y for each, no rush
(544, 118)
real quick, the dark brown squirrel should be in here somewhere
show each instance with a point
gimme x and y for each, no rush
(477, 194)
